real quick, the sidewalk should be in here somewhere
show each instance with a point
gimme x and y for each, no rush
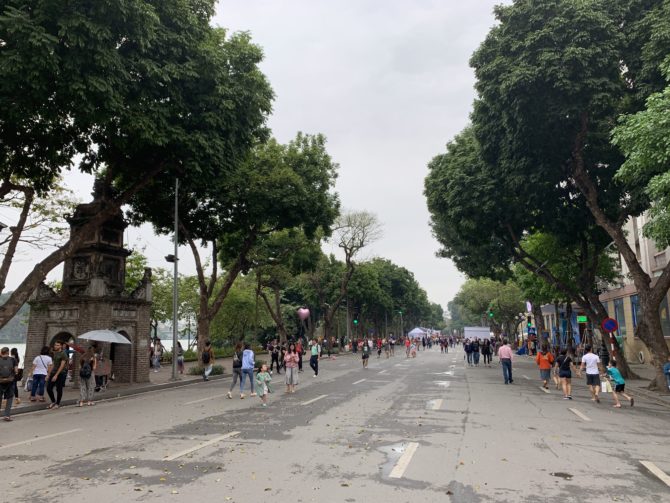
(157, 381)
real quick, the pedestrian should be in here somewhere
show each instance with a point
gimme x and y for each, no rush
(505, 357)
(14, 353)
(619, 385)
(41, 364)
(467, 347)
(207, 361)
(291, 368)
(158, 354)
(591, 362)
(87, 366)
(282, 353)
(379, 347)
(263, 379)
(314, 358)
(666, 371)
(8, 370)
(545, 360)
(475, 352)
(301, 351)
(180, 358)
(392, 344)
(237, 369)
(57, 375)
(407, 345)
(565, 365)
(604, 355)
(365, 354)
(487, 352)
(248, 365)
(274, 356)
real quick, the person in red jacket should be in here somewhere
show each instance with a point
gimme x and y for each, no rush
(545, 360)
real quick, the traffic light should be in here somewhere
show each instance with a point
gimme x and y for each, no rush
(490, 313)
(529, 323)
(355, 318)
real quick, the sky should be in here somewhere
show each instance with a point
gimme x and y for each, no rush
(387, 82)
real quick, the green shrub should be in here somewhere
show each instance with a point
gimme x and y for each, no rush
(197, 370)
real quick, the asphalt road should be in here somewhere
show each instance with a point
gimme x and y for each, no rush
(426, 429)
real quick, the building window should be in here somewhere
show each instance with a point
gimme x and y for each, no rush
(620, 317)
(665, 317)
(635, 307)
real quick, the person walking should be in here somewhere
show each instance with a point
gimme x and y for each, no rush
(591, 362)
(301, 351)
(180, 358)
(486, 352)
(158, 354)
(365, 354)
(274, 356)
(41, 364)
(14, 353)
(505, 357)
(475, 352)
(263, 380)
(237, 368)
(545, 360)
(57, 375)
(407, 345)
(619, 385)
(248, 364)
(8, 370)
(314, 358)
(207, 360)
(87, 366)
(291, 368)
(666, 371)
(565, 366)
(467, 347)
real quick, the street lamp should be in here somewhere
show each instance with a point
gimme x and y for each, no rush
(402, 333)
(175, 288)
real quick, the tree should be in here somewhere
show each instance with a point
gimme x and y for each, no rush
(353, 231)
(144, 90)
(569, 55)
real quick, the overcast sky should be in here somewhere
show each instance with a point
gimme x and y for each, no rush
(387, 82)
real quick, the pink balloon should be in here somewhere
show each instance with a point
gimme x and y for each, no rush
(303, 313)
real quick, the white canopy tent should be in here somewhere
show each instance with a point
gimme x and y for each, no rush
(417, 332)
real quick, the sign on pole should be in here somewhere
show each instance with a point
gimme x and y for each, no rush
(609, 325)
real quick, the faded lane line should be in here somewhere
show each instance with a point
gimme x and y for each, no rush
(384, 371)
(526, 377)
(37, 439)
(205, 399)
(343, 364)
(201, 446)
(436, 404)
(579, 414)
(313, 400)
(359, 381)
(403, 462)
(544, 389)
(656, 471)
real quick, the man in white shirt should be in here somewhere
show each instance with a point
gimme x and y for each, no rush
(591, 362)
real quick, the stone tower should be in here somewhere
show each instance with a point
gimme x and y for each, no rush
(93, 297)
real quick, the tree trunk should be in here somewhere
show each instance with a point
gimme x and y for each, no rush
(539, 321)
(647, 328)
(203, 330)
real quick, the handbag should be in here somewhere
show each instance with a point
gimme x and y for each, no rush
(29, 384)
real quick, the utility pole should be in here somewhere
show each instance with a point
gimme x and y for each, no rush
(175, 287)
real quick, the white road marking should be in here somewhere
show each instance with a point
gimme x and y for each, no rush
(359, 381)
(205, 399)
(526, 377)
(656, 471)
(544, 389)
(384, 371)
(313, 400)
(201, 446)
(37, 439)
(403, 462)
(579, 414)
(343, 364)
(444, 384)
(435, 404)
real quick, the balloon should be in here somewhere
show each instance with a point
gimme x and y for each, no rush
(303, 313)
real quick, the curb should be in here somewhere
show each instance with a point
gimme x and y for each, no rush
(123, 393)
(652, 396)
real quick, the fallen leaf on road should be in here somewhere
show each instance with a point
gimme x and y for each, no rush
(268, 489)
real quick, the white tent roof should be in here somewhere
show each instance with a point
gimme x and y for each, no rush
(417, 331)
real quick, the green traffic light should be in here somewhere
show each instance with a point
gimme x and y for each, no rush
(355, 322)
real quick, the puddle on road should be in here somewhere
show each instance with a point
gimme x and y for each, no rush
(562, 475)
(393, 453)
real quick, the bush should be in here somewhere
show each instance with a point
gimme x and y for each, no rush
(197, 370)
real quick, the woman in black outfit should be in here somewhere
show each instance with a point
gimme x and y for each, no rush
(19, 375)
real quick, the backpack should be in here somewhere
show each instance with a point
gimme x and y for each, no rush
(6, 370)
(86, 370)
(206, 357)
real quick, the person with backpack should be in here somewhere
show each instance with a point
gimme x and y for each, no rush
(545, 360)
(248, 365)
(237, 369)
(87, 366)
(207, 361)
(8, 370)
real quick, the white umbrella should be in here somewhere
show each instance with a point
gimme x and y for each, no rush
(104, 336)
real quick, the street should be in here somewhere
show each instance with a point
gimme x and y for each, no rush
(404, 430)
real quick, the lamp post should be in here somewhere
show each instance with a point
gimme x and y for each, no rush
(175, 288)
(402, 333)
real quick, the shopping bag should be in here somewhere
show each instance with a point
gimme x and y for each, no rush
(606, 386)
